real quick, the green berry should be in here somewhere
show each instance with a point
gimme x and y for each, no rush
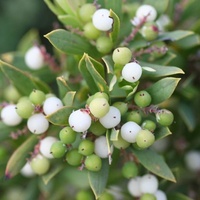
(122, 107)
(67, 135)
(37, 97)
(164, 117)
(148, 197)
(150, 31)
(84, 195)
(142, 98)
(86, 11)
(101, 95)
(104, 44)
(121, 55)
(149, 125)
(106, 196)
(134, 116)
(129, 170)
(86, 147)
(90, 32)
(11, 94)
(145, 138)
(97, 128)
(93, 162)
(120, 143)
(58, 149)
(73, 157)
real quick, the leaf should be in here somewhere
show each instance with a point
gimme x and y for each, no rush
(69, 20)
(160, 6)
(166, 59)
(162, 89)
(153, 70)
(68, 99)
(116, 6)
(92, 71)
(55, 9)
(18, 158)
(63, 87)
(98, 180)
(61, 116)
(109, 64)
(114, 134)
(162, 133)
(178, 196)
(70, 43)
(154, 163)
(24, 82)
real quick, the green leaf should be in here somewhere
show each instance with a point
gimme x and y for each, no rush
(55, 9)
(68, 99)
(116, 6)
(61, 116)
(109, 64)
(162, 89)
(70, 43)
(69, 20)
(178, 196)
(98, 180)
(160, 6)
(153, 70)
(93, 73)
(162, 133)
(154, 163)
(166, 59)
(24, 82)
(63, 87)
(114, 134)
(18, 158)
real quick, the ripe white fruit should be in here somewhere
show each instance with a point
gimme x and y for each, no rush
(80, 120)
(192, 160)
(51, 105)
(27, 170)
(34, 58)
(145, 10)
(148, 184)
(101, 147)
(160, 195)
(132, 72)
(129, 131)
(9, 115)
(133, 187)
(45, 146)
(101, 20)
(112, 118)
(37, 123)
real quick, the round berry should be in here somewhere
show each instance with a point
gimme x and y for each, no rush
(106, 196)
(134, 116)
(147, 11)
(164, 117)
(67, 135)
(160, 195)
(86, 147)
(27, 171)
(121, 55)
(104, 44)
(150, 31)
(129, 131)
(112, 118)
(37, 123)
(97, 128)
(121, 106)
(84, 195)
(58, 149)
(99, 107)
(90, 32)
(34, 58)
(101, 95)
(73, 157)
(9, 115)
(134, 187)
(86, 11)
(149, 125)
(120, 143)
(80, 120)
(148, 197)
(145, 138)
(51, 105)
(101, 20)
(132, 72)
(142, 98)
(40, 165)
(129, 170)
(93, 162)
(11, 94)
(37, 97)
(45, 146)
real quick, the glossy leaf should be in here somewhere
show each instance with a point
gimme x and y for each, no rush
(155, 163)
(18, 158)
(98, 180)
(160, 6)
(162, 89)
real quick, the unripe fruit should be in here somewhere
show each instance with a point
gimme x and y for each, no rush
(148, 197)
(93, 162)
(37, 97)
(132, 72)
(150, 31)
(101, 95)
(84, 195)
(149, 125)
(86, 11)
(11, 94)
(104, 44)
(9, 115)
(73, 157)
(102, 20)
(142, 98)
(97, 128)
(121, 106)
(121, 55)
(34, 58)
(86, 147)
(129, 170)
(160, 195)
(27, 171)
(39, 164)
(134, 187)
(120, 143)
(90, 32)
(134, 116)
(99, 107)
(164, 117)
(145, 138)
(106, 196)
(58, 149)
(67, 135)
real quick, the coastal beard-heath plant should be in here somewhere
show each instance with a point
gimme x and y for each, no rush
(93, 120)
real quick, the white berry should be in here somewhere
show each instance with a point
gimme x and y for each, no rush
(45, 146)
(51, 105)
(27, 170)
(112, 118)
(132, 72)
(129, 131)
(160, 195)
(101, 20)
(133, 187)
(146, 11)
(192, 160)
(37, 123)
(9, 115)
(34, 58)
(80, 120)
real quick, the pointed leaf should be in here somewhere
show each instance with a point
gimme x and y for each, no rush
(162, 133)
(154, 163)
(62, 86)
(55, 9)
(160, 6)
(162, 89)
(116, 6)
(68, 99)
(69, 20)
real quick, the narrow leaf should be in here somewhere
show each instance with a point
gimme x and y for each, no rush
(18, 158)
(154, 163)
(56, 10)
(62, 86)
(162, 133)
(116, 6)
(68, 99)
